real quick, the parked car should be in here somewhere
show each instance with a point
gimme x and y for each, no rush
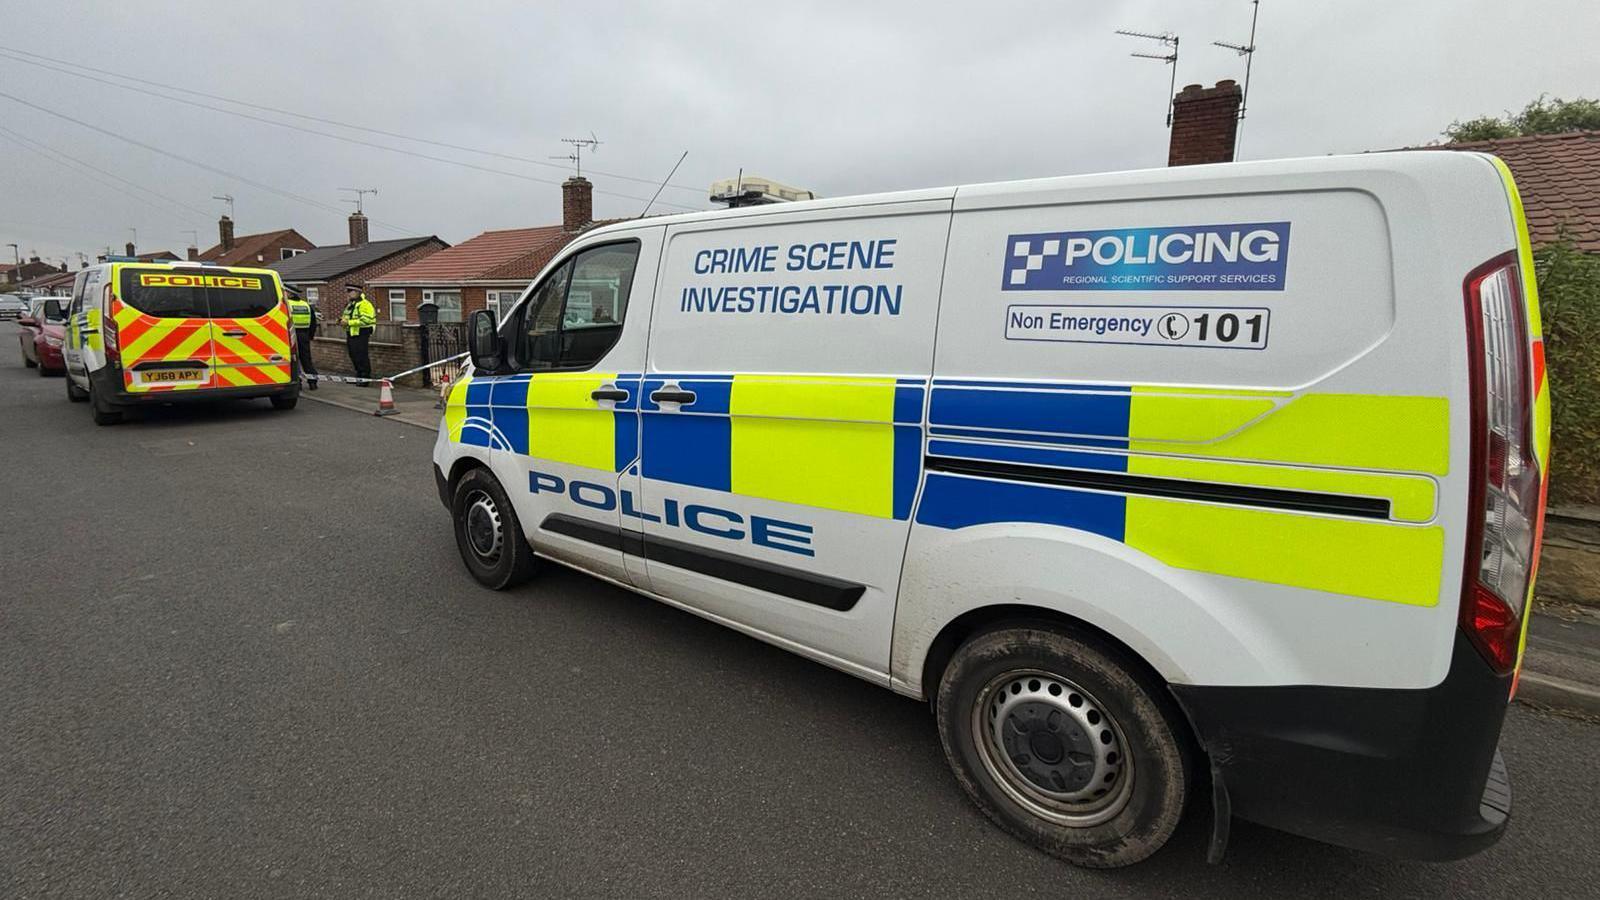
(44, 329)
(12, 306)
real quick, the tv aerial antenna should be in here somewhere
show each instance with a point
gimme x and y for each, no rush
(1170, 41)
(361, 195)
(578, 146)
(225, 198)
(1248, 51)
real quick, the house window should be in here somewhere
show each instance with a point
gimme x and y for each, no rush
(289, 253)
(397, 306)
(311, 295)
(500, 302)
(449, 303)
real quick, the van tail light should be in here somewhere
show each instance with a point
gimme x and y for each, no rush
(109, 338)
(1506, 502)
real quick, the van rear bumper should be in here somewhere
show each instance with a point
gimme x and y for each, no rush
(107, 382)
(1407, 773)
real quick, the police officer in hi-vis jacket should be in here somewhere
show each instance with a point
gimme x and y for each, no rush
(359, 318)
(303, 318)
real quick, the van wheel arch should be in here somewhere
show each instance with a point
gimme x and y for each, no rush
(460, 468)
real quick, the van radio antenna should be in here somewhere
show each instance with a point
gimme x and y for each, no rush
(225, 198)
(578, 146)
(361, 194)
(1248, 51)
(663, 184)
(1170, 41)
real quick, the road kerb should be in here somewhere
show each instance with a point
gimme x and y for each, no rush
(365, 406)
(1559, 693)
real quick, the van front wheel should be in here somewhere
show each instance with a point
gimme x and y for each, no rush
(1063, 745)
(488, 533)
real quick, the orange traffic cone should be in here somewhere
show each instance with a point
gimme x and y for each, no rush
(385, 399)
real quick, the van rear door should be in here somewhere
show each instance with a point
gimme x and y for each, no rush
(250, 330)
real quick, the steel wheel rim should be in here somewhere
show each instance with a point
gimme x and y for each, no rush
(482, 527)
(1052, 748)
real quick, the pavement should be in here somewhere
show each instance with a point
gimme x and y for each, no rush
(239, 657)
(414, 406)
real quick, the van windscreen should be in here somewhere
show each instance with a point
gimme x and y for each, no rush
(198, 295)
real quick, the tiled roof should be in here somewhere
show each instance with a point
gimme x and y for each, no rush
(325, 263)
(480, 257)
(527, 265)
(1558, 176)
(245, 248)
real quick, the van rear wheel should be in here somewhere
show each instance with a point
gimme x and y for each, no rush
(104, 413)
(488, 533)
(1063, 744)
(284, 401)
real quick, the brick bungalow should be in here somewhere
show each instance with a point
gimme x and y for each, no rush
(252, 249)
(13, 274)
(56, 284)
(489, 271)
(322, 274)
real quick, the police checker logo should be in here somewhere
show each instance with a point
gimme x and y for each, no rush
(1246, 256)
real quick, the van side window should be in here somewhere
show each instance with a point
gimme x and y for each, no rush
(576, 315)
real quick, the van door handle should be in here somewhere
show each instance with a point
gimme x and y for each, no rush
(672, 395)
(234, 333)
(609, 392)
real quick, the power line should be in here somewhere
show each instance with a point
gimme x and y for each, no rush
(194, 162)
(47, 151)
(140, 200)
(326, 134)
(13, 54)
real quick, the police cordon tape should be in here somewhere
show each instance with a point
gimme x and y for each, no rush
(386, 405)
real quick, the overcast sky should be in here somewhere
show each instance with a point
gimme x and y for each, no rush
(842, 98)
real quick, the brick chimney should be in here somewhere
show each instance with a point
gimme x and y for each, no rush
(225, 233)
(194, 253)
(130, 248)
(358, 229)
(577, 203)
(1205, 123)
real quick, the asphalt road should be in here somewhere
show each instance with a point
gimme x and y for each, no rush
(239, 657)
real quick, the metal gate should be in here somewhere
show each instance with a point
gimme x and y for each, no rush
(440, 340)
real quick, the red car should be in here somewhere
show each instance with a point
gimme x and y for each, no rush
(43, 334)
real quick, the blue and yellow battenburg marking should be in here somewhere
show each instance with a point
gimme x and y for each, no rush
(849, 444)
(855, 445)
(1348, 444)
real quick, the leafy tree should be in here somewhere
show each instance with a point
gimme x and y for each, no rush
(1542, 116)
(1569, 297)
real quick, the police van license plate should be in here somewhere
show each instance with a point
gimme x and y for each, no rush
(168, 376)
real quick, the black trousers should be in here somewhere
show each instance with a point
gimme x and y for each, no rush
(302, 340)
(359, 347)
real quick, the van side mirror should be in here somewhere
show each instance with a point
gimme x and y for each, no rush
(487, 350)
(53, 311)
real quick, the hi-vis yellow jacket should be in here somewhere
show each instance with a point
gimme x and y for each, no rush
(359, 314)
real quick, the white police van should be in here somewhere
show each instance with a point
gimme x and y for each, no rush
(1216, 487)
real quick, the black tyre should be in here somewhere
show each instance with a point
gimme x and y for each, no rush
(284, 401)
(43, 372)
(28, 362)
(104, 413)
(488, 533)
(1063, 744)
(74, 393)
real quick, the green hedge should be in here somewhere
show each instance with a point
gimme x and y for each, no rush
(1569, 296)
